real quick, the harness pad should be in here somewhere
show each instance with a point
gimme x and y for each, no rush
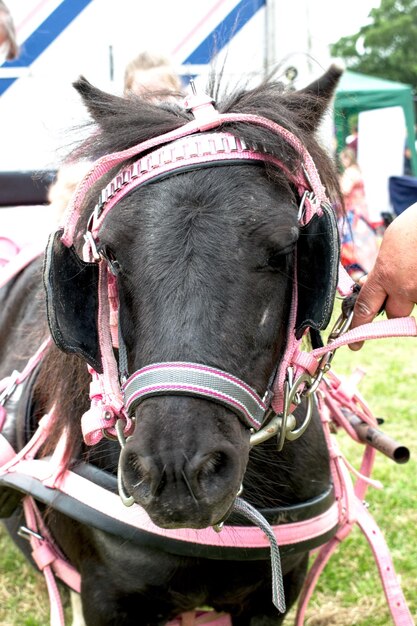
(71, 286)
(318, 251)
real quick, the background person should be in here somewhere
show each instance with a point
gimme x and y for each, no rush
(352, 184)
(151, 75)
(359, 242)
(9, 49)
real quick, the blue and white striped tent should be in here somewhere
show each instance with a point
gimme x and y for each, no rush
(61, 39)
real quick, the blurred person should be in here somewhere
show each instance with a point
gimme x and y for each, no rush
(352, 185)
(392, 283)
(152, 76)
(359, 242)
(407, 168)
(147, 75)
(62, 189)
(352, 140)
(9, 49)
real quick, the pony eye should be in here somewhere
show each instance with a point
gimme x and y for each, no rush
(278, 258)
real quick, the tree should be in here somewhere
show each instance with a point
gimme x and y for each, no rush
(386, 47)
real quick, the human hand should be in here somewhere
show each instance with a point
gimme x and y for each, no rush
(392, 283)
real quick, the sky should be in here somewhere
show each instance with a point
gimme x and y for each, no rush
(332, 19)
(337, 18)
(301, 31)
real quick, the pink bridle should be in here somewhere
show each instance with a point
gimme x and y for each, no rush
(189, 146)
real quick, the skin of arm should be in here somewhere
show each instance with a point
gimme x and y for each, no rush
(392, 282)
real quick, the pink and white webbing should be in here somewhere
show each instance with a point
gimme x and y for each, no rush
(199, 381)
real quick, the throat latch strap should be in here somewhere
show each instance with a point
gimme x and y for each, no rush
(201, 381)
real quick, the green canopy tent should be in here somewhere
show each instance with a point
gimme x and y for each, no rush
(359, 92)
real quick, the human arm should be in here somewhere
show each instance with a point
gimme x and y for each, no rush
(392, 282)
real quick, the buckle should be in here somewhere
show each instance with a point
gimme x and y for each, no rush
(284, 424)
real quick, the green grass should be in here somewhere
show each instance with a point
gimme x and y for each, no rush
(349, 592)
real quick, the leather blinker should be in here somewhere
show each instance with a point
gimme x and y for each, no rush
(71, 286)
(318, 251)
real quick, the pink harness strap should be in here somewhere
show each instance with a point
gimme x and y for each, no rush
(19, 261)
(107, 162)
(353, 511)
(198, 618)
(109, 503)
(49, 560)
(347, 510)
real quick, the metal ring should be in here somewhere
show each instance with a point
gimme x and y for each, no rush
(125, 498)
(294, 434)
(108, 435)
(291, 435)
(266, 432)
(120, 424)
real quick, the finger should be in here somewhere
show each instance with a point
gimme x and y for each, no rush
(394, 307)
(370, 300)
(356, 346)
(398, 307)
(369, 303)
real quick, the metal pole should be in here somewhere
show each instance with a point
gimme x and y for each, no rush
(269, 42)
(111, 63)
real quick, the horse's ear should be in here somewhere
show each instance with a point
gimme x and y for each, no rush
(315, 98)
(99, 103)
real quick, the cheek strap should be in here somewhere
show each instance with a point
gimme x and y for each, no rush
(201, 381)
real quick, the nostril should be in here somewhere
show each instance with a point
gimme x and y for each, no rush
(218, 466)
(132, 472)
(140, 475)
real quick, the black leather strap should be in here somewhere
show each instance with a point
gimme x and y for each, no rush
(91, 517)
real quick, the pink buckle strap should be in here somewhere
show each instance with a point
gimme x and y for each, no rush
(107, 162)
(308, 361)
(395, 598)
(399, 327)
(185, 152)
(49, 560)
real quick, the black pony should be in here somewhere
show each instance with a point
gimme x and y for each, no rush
(204, 260)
